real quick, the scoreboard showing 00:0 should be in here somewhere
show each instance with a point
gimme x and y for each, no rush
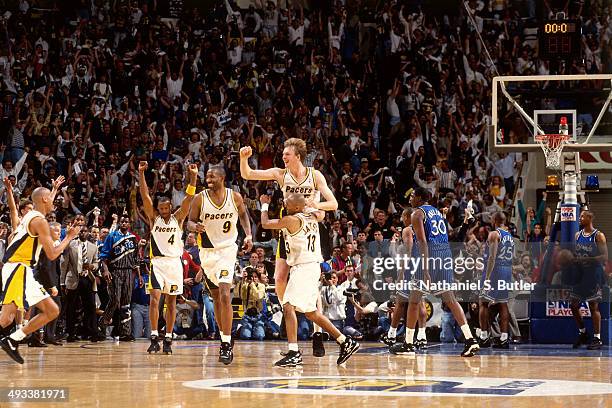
(559, 39)
(554, 28)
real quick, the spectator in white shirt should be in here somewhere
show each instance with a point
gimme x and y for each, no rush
(334, 301)
(505, 168)
(174, 81)
(234, 50)
(296, 29)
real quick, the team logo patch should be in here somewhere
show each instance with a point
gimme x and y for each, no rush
(224, 273)
(405, 387)
(173, 288)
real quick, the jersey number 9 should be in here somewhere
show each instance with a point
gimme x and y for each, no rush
(227, 226)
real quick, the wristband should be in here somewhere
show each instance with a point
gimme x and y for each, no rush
(190, 190)
(249, 237)
(264, 207)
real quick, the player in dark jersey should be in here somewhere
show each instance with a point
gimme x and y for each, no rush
(434, 272)
(498, 263)
(591, 254)
(406, 244)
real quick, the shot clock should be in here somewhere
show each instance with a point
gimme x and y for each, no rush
(559, 39)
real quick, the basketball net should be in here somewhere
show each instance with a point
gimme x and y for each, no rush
(552, 146)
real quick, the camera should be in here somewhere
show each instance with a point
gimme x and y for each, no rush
(328, 276)
(352, 292)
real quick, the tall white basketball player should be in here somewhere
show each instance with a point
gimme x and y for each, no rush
(214, 217)
(297, 179)
(166, 249)
(303, 248)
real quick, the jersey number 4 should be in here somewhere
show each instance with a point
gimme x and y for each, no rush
(171, 239)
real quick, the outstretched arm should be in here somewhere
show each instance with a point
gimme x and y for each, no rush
(147, 203)
(57, 183)
(11, 203)
(183, 211)
(247, 173)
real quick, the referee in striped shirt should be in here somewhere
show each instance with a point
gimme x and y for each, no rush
(119, 256)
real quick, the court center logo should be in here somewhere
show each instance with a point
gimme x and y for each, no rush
(405, 386)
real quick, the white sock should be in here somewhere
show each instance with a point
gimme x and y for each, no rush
(341, 338)
(478, 331)
(293, 347)
(409, 336)
(465, 329)
(316, 328)
(226, 338)
(596, 335)
(583, 330)
(154, 333)
(484, 334)
(392, 333)
(503, 337)
(18, 335)
(421, 334)
(169, 335)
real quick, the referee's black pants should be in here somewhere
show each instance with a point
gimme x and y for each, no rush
(120, 296)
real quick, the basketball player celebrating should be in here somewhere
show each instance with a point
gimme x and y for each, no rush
(18, 284)
(166, 250)
(591, 254)
(431, 234)
(299, 179)
(214, 217)
(499, 252)
(303, 245)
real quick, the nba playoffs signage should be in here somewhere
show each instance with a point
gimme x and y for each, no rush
(558, 304)
(596, 160)
(404, 386)
(568, 213)
(563, 309)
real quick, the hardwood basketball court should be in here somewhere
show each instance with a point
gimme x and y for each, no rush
(124, 375)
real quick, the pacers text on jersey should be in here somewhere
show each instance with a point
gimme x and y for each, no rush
(221, 216)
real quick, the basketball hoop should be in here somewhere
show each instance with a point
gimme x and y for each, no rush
(552, 146)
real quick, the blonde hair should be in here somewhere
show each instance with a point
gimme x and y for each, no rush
(299, 147)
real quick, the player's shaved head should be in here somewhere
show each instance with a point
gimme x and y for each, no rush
(218, 170)
(295, 203)
(39, 194)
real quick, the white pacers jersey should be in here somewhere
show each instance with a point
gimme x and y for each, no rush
(305, 245)
(307, 188)
(166, 238)
(221, 223)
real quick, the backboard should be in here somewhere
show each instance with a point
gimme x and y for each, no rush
(525, 106)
